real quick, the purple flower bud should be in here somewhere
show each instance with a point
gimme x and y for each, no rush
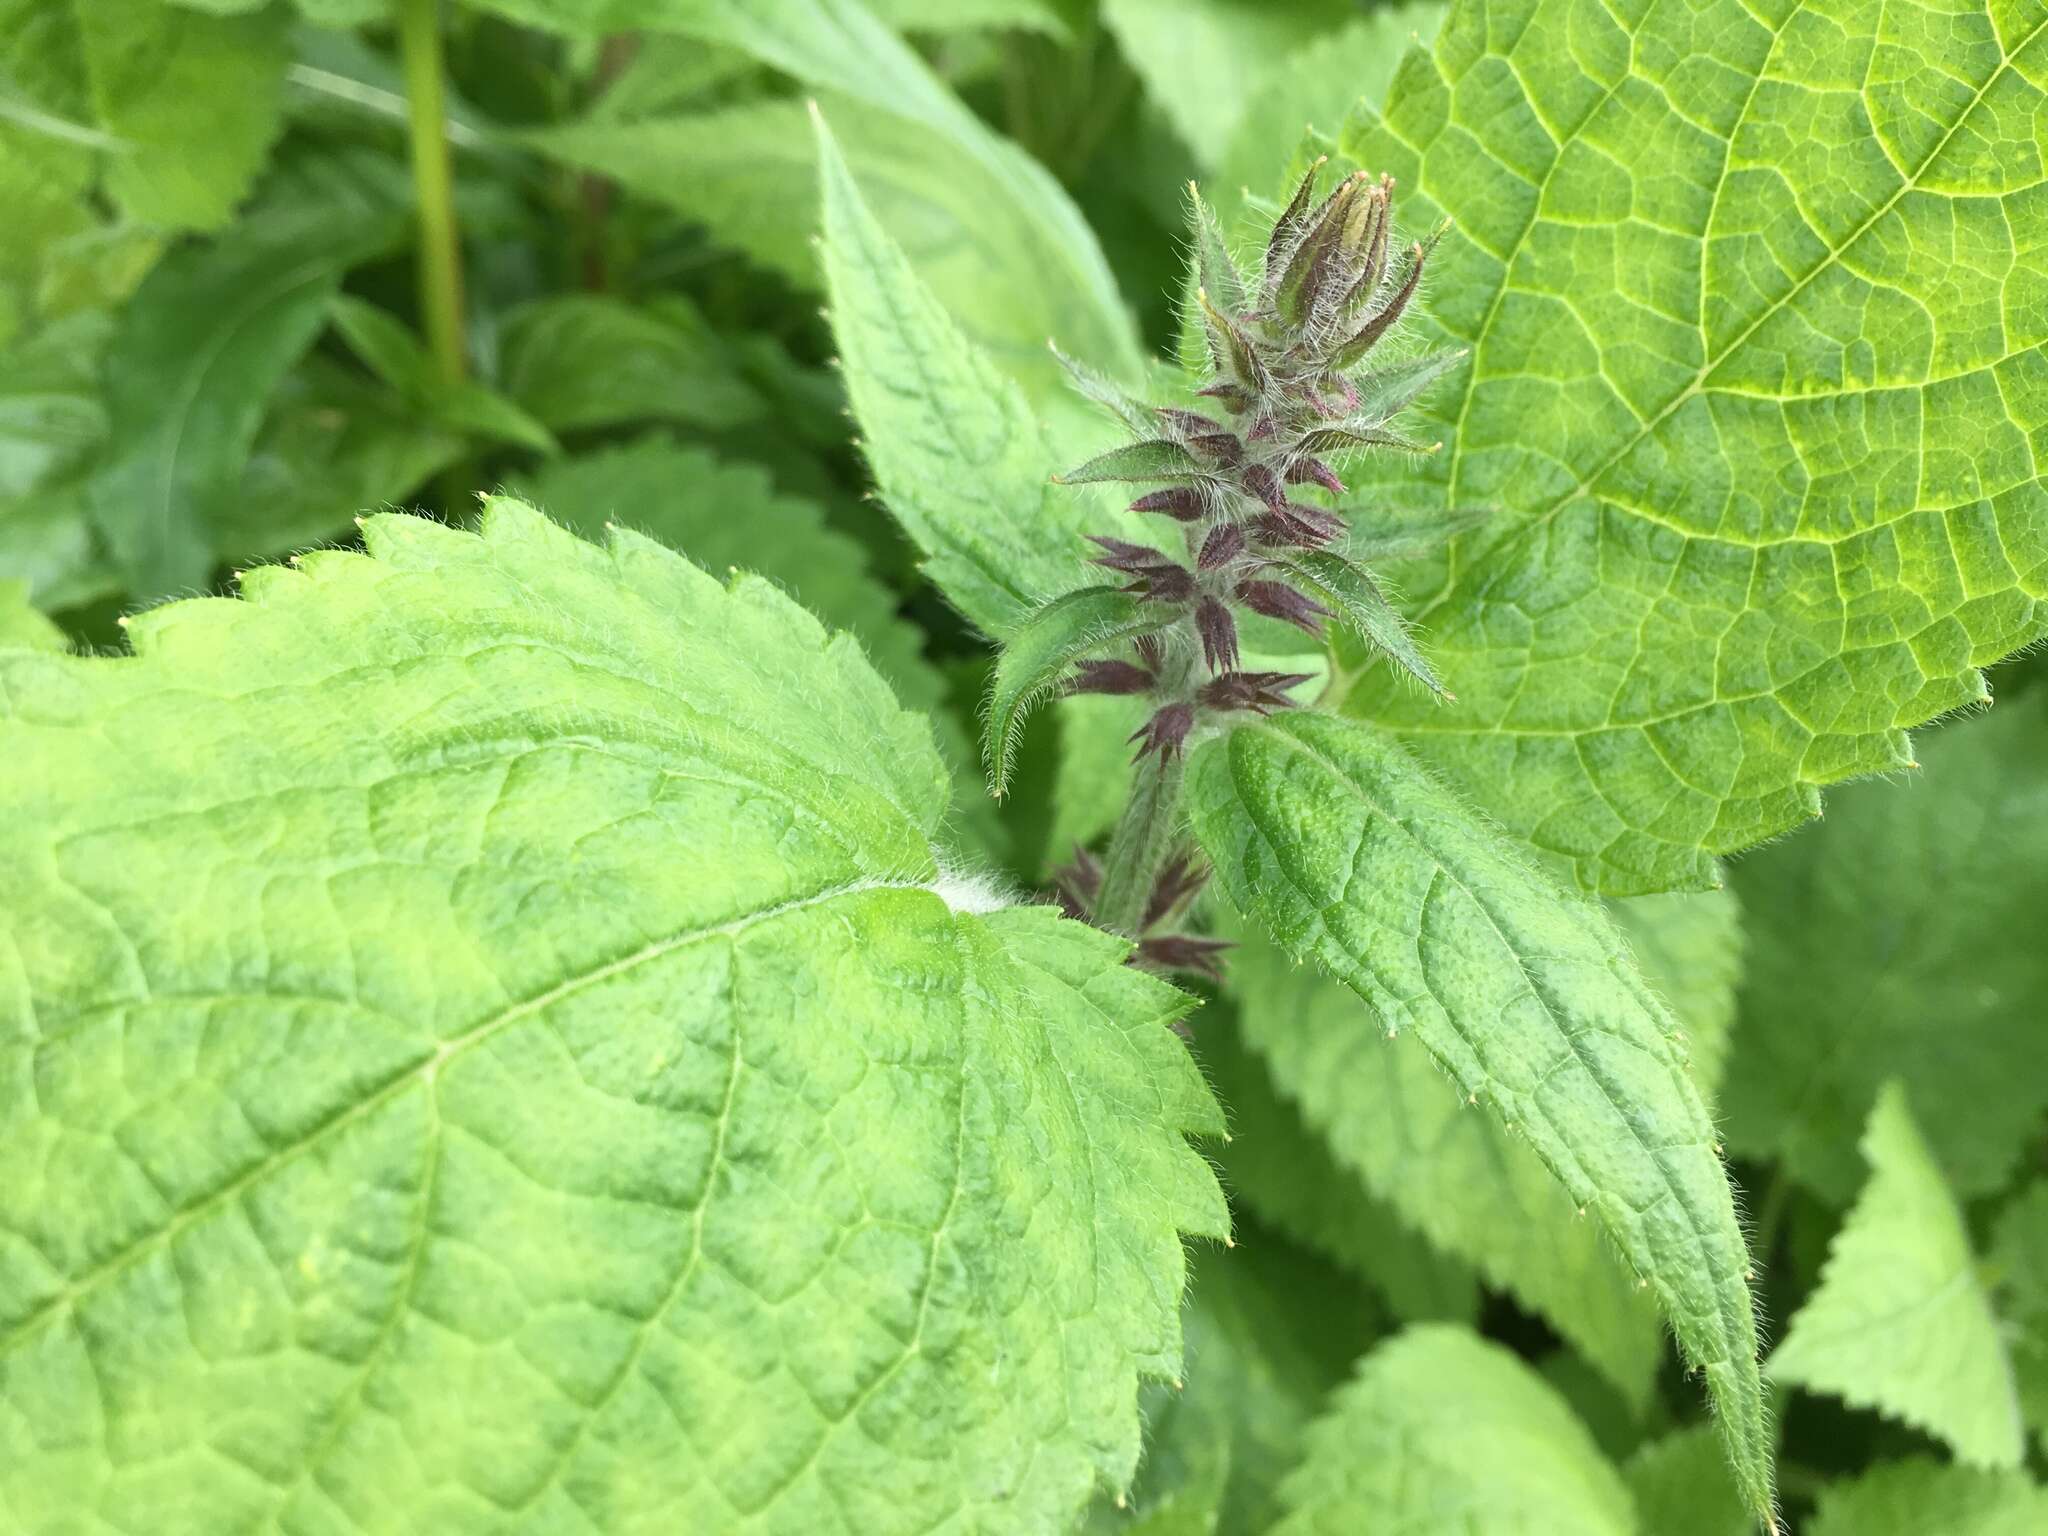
(1183, 503)
(1235, 399)
(1179, 881)
(1109, 677)
(1260, 692)
(1122, 555)
(1298, 523)
(1277, 600)
(1262, 429)
(1224, 544)
(1310, 468)
(1257, 480)
(1185, 952)
(1219, 633)
(1076, 885)
(1221, 447)
(1158, 578)
(1165, 732)
(1187, 423)
(1150, 651)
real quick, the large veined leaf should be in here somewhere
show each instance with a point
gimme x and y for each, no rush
(729, 517)
(1399, 1132)
(485, 1044)
(1442, 1431)
(961, 460)
(1339, 844)
(1773, 496)
(1901, 1322)
(1919, 1497)
(993, 233)
(1880, 945)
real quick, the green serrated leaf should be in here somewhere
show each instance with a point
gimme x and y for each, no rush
(583, 360)
(1920, 1497)
(958, 455)
(1443, 1431)
(1873, 954)
(729, 517)
(1350, 854)
(1773, 495)
(1398, 1130)
(485, 1029)
(1041, 650)
(1350, 592)
(1901, 1322)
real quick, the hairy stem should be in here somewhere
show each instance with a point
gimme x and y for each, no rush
(440, 257)
(1143, 838)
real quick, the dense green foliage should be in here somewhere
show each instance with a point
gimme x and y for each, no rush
(530, 530)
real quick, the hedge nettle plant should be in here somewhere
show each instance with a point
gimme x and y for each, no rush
(501, 1027)
(1293, 372)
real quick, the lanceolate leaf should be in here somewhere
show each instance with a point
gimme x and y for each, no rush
(1043, 649)
(1399, 1131)
(484, 1030)
(1756, 307)
(958, 455)
(1349, 591)
(1443, 1431)
(1901, 1322)
(1336, 841)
